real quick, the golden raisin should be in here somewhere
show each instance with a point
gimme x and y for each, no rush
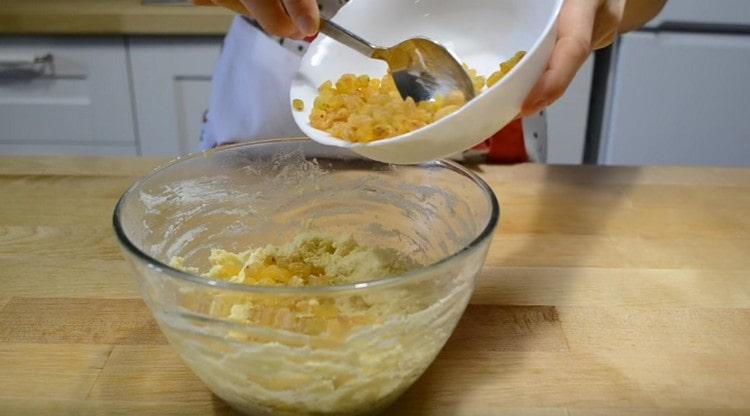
(298, 104)
(361, 109)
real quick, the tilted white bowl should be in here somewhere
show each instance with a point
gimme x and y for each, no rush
(482, 33)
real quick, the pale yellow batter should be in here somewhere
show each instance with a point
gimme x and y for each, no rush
(339, 352)
(311, 259)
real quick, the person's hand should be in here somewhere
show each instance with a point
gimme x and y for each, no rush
(584, 25)
(287, 18)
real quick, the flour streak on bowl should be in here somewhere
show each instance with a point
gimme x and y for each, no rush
(482, 33)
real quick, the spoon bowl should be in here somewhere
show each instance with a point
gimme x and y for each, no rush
(424, 69)
(482, 33)
(421, 68)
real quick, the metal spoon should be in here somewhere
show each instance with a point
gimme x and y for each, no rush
(421, 68)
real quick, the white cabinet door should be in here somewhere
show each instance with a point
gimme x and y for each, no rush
(679, 98)
(77, 101)
(172, 84)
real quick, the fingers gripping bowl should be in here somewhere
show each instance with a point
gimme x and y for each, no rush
(481, 33)
(375, 338)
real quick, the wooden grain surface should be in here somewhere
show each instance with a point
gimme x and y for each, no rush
(606, 291)
(109, 17)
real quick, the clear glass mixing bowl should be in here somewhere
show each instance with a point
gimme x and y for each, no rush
(376, 339)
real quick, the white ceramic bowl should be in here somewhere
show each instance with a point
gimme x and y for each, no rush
(482, 33)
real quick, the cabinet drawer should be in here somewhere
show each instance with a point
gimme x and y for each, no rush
(76, 93)
(172, 87)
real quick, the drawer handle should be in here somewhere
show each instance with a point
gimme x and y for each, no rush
(22, 66)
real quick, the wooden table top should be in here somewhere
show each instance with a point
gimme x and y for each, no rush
(606, 291)
(109, 17)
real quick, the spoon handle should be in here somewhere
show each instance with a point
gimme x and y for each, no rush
(347, 38)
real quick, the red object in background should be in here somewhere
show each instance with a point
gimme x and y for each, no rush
(506, 146)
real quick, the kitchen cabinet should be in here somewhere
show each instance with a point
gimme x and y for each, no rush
(65, 95)
(139, 95)
(172, 86)
(678, 90)
(679, 98)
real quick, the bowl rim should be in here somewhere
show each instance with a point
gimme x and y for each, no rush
(387, 281)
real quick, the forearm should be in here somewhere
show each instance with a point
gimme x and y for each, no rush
(639, 12)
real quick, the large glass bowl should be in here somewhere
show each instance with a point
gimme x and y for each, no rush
(378, 337)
